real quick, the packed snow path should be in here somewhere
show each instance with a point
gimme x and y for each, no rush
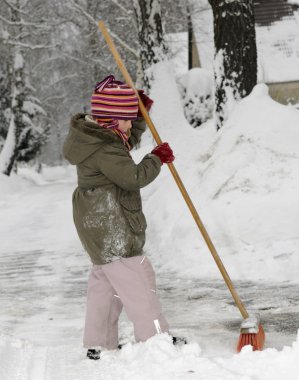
(43, 299)
(42, 316)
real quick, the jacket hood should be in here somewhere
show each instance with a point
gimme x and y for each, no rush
(85, 137)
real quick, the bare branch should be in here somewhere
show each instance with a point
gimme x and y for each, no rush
(21, 23)
(11, 6)
(126, 11)
(64, 21)
(86, 14)
(83, 61)
(31, 47)
(94, 22)
(70, 57)
(47, 61)
(73, 58)
(66, 77)
(123, 44)
(54, 97)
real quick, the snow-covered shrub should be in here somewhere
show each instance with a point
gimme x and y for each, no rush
(196, 91)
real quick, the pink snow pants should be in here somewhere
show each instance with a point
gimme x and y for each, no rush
(129, 283)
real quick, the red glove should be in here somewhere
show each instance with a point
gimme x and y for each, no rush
(164, 152)
(146, 101)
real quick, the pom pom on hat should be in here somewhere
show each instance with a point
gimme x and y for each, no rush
(113, 99)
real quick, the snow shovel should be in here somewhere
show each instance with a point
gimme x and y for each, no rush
(252, 332)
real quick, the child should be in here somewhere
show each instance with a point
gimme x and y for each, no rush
(108, 214)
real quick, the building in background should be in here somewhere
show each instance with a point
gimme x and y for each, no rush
(277, 34)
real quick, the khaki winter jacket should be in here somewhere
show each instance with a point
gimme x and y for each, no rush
(107, 207)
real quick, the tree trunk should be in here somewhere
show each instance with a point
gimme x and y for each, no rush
(93, 45)
(9, 151)
(153, 48)
(235, 53)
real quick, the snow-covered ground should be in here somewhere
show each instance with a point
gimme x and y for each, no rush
(244, 183)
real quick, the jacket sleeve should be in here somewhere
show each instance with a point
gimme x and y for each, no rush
(138, 128)
(119, 168)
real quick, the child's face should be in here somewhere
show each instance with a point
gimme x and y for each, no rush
(124, 125)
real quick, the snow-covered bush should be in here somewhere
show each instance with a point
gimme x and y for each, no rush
(196, 91)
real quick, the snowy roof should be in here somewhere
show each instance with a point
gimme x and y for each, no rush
(270, 11)
(277, 37)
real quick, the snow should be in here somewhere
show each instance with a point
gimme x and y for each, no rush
(245, 174)
(8, 148)
(197, 81)
(33, 108)
(157, 358)
(196, 88)
(244, 183)
(18, 61)
(230, 101)
(277, 45)
(178, 47)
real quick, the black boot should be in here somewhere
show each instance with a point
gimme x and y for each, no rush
(177, 340)
(93, 354)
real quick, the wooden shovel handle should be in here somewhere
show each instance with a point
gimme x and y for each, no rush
(175, 174)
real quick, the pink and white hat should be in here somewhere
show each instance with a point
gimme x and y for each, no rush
(112, 100)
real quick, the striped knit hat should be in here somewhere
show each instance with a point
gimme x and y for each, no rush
(113, 100)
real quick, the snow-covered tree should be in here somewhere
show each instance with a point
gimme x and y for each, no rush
(153, 48)
(25, 135)
(21, 110)
(4, 97)
(196, 91)
(64, 55)
(235, 53)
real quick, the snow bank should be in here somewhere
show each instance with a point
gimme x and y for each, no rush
(157, 358)
(12, 184)
(277, 47)
(28, 177)
(40, 216)
(243, 181)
